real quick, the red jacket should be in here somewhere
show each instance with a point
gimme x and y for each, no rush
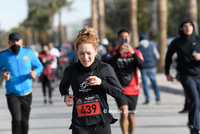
(47, 71)
(126, 67)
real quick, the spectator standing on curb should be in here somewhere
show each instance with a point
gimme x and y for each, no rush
(55, 52)
(17, 63)
(187, 47)
(90, 80)
(150, 54)
(126, 61)
(47, 75)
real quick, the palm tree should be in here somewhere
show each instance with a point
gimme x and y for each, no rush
(94, 20)
(101, 8)
(154, 23)
(162, 27)
(192, 12)
(56, 5)
(41, 15)
(133, 22)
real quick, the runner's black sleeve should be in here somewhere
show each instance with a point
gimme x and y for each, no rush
(65, 82)
(110, 83)
(138, 61)
(168, 60)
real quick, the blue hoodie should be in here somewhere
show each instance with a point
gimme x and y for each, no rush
(19, 66)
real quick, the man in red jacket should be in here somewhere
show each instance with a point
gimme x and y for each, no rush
(126, 61)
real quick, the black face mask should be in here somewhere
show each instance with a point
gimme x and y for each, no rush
(15, 48)
(44, 52)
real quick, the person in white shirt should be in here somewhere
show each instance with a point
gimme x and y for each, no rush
(55, 52)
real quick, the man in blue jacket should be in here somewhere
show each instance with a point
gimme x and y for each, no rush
(16, 68)
(150, 54)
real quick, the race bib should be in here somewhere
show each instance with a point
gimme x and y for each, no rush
(88, 106)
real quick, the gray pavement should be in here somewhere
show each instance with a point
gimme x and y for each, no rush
(150, 119)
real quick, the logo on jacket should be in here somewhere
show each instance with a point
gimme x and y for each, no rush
(83, 86)
(79, 101)
(25, 58)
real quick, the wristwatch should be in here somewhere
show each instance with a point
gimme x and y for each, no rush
(63, 97)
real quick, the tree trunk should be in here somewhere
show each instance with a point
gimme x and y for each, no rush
(192, 12)
(101, 19)
(35, 37)
(51, 19)
(60, 30)
(162, 27)
(133, 22)
(94, 19)
(154, 22)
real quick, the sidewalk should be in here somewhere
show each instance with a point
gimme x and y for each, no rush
(150, 119)
(169, 87)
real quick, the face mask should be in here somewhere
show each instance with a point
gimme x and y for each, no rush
(15, 48)
(44, 52)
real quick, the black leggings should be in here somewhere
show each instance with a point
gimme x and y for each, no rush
(20, 107)
(191, 87)
(95, 130)
(46, 82)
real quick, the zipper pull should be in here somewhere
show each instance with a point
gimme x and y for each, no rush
(17, 56)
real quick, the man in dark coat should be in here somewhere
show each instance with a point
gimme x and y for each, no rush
(187, 47)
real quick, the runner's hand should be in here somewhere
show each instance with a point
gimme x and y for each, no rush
(69, 100)
(93, 80)
(44, 60)
(33, 75)
(169, 77)
(6, 75)
(196, 56)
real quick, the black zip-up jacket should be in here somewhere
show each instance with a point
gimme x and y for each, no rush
(75, 76)
(185, 47)
(126, 67)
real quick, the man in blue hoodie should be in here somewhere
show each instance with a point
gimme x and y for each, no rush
(187, 47)
(18, 67)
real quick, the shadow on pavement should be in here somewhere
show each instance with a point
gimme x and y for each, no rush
(171, 90)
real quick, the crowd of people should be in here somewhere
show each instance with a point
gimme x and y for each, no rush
(96, 68)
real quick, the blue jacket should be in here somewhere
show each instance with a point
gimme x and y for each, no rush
(19, 66)
(147, 51)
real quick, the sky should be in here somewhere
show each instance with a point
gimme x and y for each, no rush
(13, 12)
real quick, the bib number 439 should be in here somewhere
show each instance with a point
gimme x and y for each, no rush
(88, 109)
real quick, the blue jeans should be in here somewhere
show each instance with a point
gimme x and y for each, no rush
(191, 87)
(149, 72)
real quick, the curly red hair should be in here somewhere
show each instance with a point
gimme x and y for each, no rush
(87, 35)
